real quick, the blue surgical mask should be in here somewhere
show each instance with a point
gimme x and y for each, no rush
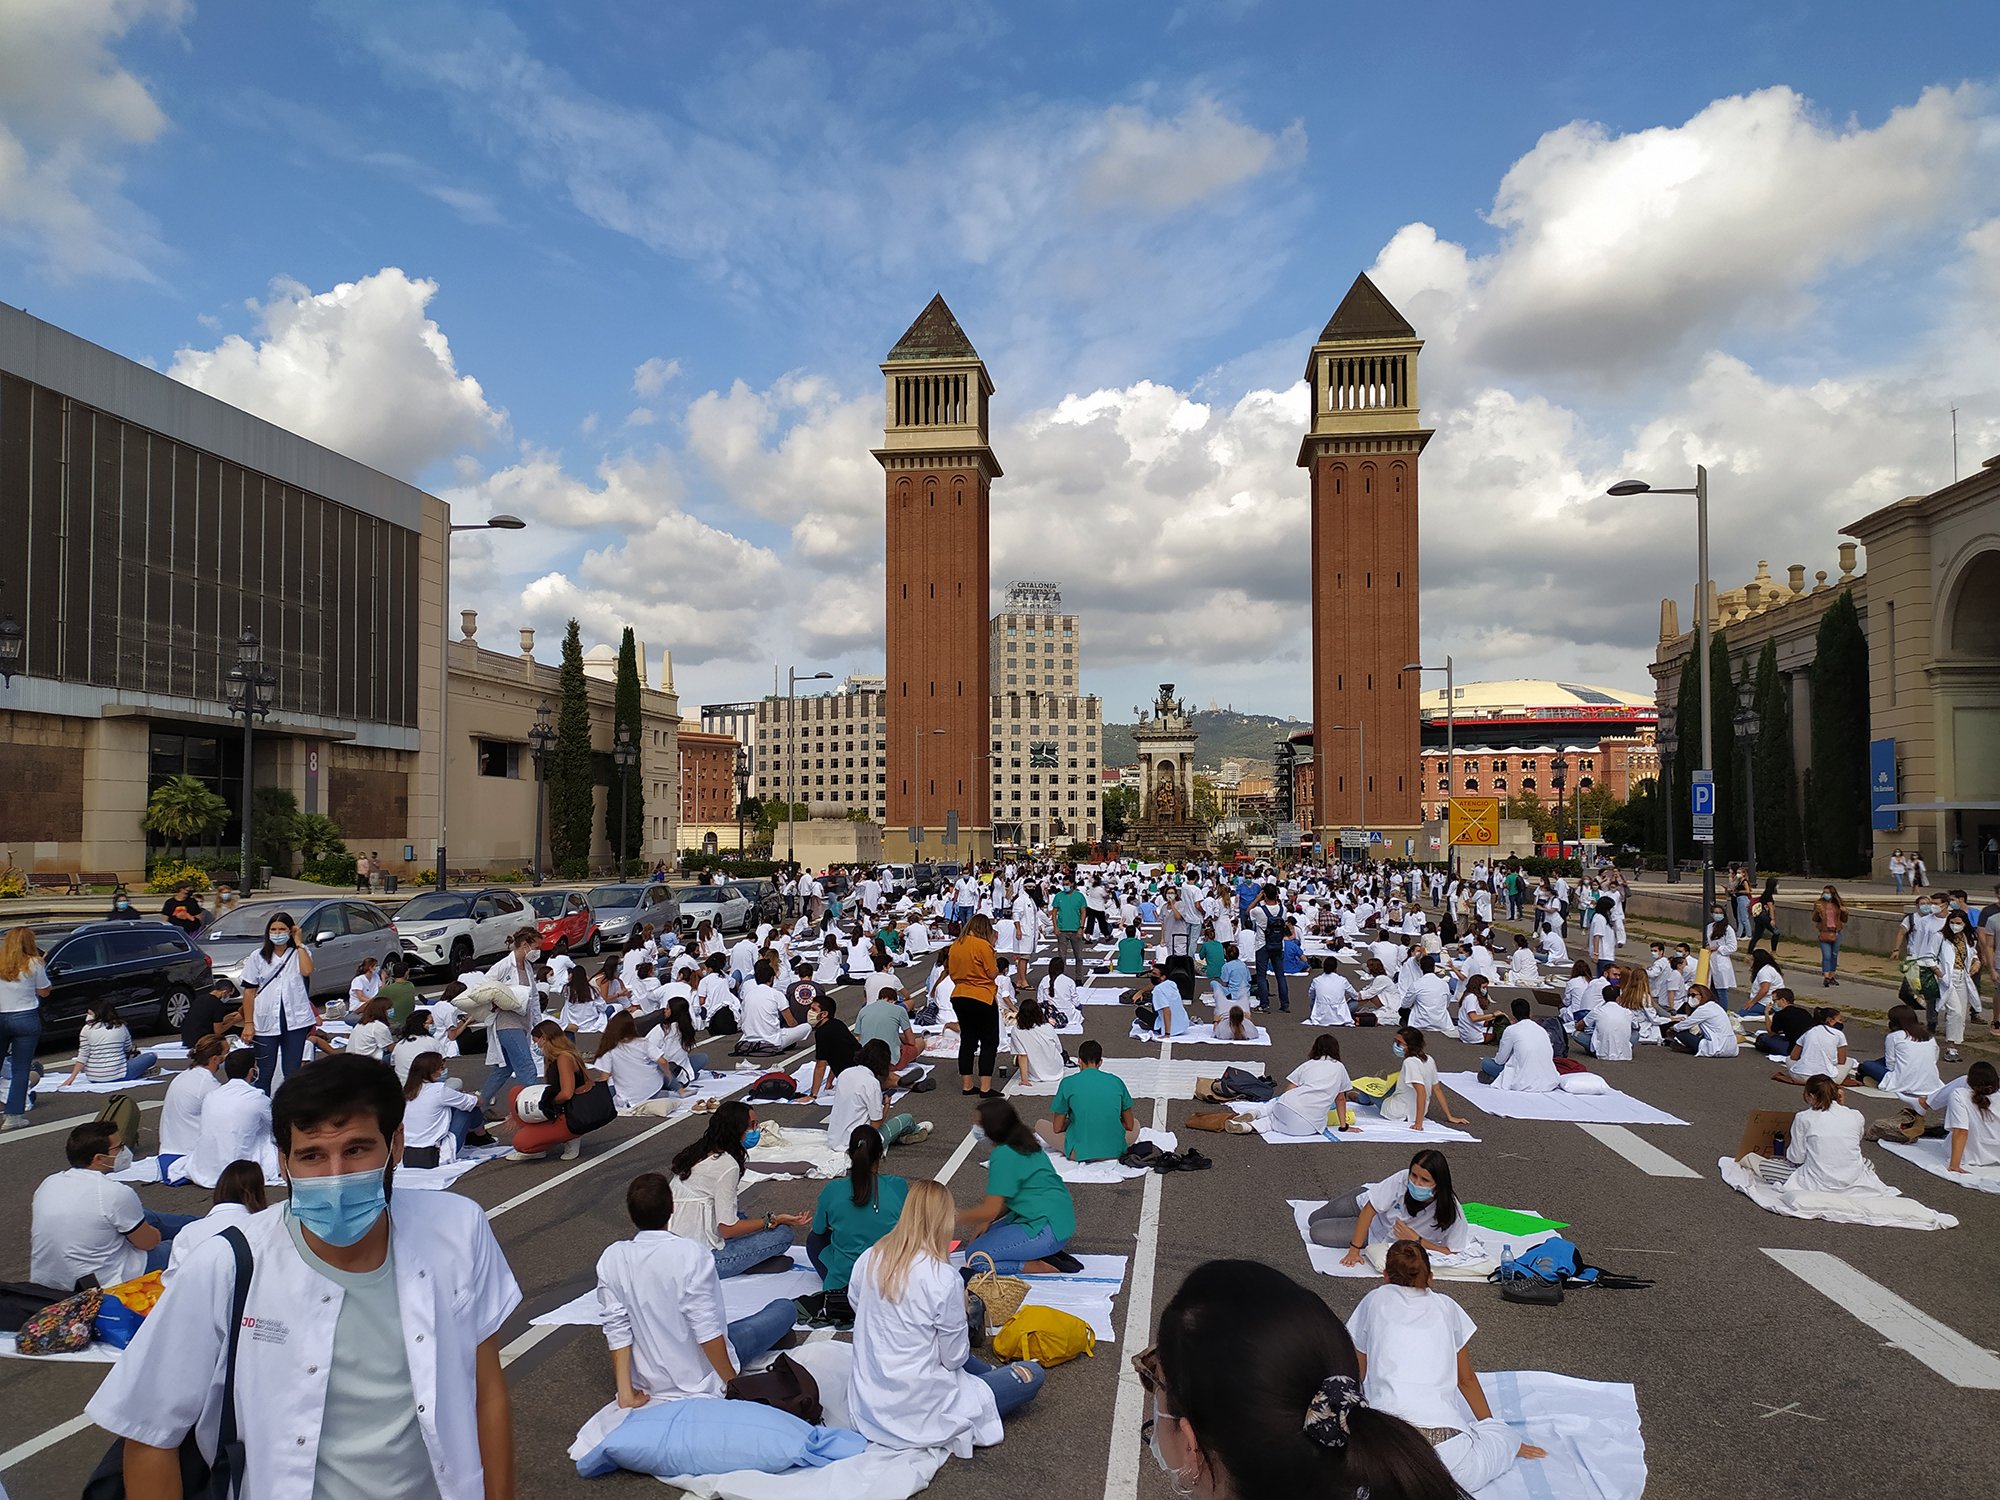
(279, 937)
(751, 1137)
(342, 1208)
(1397, 1048)
(1420, 1194)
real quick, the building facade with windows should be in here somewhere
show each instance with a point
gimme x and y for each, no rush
(1508, 735)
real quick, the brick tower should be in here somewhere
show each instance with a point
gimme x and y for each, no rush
(938, 704)
(1362, 451)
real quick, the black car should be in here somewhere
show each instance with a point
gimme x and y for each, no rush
(765, 903)
(151, 969)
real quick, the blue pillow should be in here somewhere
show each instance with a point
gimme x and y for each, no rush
(706, 1435)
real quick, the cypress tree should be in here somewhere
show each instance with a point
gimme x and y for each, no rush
(1837, 822)
(1775, 778)
(572, 767)
(625, 713)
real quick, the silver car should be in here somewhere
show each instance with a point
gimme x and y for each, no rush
(340, 933)
(621, 908)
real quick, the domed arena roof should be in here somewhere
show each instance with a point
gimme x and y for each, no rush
(1530, 697)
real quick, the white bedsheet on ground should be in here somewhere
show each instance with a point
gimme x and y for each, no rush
(1472, 1265)
(1112, 1171)
(1374, 1130)
(52, 1085)
(147, 1169)
(1086, 1293)
(1933, 1157)
(1202, 1034)
(1590, 1428)
(1614, 1108)
(741, 1295)
(434, 1178)
(798, 1144)
(1876, 1209)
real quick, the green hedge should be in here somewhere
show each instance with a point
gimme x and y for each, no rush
(693, 863)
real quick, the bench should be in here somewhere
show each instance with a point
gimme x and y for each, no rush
(467, 877)
(101, 877)
(49, 880)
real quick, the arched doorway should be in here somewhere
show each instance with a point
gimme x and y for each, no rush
(1965, 682)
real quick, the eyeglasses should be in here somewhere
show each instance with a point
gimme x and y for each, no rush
(1146, 1364)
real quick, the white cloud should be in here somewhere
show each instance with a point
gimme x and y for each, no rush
(651, 377)
(361, 369)
(69, 111)
(631, 491)
(1164, 164)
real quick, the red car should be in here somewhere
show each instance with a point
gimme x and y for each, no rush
(565, 921)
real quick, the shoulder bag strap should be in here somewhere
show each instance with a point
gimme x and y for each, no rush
(230, 1465)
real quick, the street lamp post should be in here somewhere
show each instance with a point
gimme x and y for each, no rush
(1700, 492)
(792, 681)
(1361, 731)
(1450, 748)
(492, 523)
(742, 792)
(1558, 774)
(541, 740)
(625, 755)
(1666, 742)
(1747, 723)
(251, 684)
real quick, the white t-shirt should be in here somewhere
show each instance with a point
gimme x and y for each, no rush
(180, 1115)
(1401, 1103)
(659, 1296)
(371, 1039)
(1043, 1050)
(1390, 1197)
(78, 1226)
(1818, 1051)
(1610, 1028)
(1470, 1030)
(1316, 1083)
(1411, 1338)
(1430, 1004)
(635, 1074)
(857, 1100)
(1982, 1129)
(1527, 1058)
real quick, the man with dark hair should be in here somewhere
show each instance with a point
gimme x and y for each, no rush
(84, 1224)
(1268, 919)
(369, 1356)
(220, 1010)
(1093, 1118)
(660, 1300)
(835, 1047)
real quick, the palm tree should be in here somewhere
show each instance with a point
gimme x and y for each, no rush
(182, 809)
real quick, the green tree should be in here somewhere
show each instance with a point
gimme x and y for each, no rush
(572, 766)
(1119, 803)
(1526, 807)
(774, 813)
(625, 712)
(1634, 821)
(1687, 757)
(274, 831)
(183, 809)
(1772, 770)
(319, 837)
(1728, 776)
(1836, 823)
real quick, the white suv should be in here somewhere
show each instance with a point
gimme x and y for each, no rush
(452, 930)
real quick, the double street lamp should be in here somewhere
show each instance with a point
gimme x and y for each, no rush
(1747, 724)
(624, 755)
(541, 740)
(493, 523)
(1666, 742)
(251, 686)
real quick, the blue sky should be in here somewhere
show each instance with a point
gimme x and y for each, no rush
(628, 269)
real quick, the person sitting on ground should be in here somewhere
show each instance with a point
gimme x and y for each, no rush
(1379, 994)
(1416, 1087)
(1238, 1027)
(885, 1018)
(419, 1038)
(1092, 1118)
(916, 1382)
(564, 1076)
(1521, 965)
(1706, 1030)
(235, 1123)
(1606, 1033)
(1970, 1121)
(180, 1116)
(1766, 979)
(858, 1095)
(1823, 1049)
(1475, 1021)
(1037, 1048)
(1213, 955)
(1788, 1023)
(1909, 1062)
(707, 1175)
(1314, 1098)
(1526, 1060)
(1232, 987)
(853, 1213)
(104, 1050)
(239, 1193)
(1429, 999)
(1057, 993)
(1418, 1203)
(1332, 996)
(370, 1036)
(217, 1010)
(716, 992)
(81, 1223)
(1411, 1341)
(1254, 1392)
(1162, 996)
(1131, 955)
(762, 1020)
(439, 1118)
(635, 1064)
(1824, 1144)
(1026, 1217)
(661, 1306)
(835, 1046)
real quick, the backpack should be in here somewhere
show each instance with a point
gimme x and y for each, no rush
(722, 1022)
(927, 1014)
(1555, 1260)
(775, 1086)
(1558, 1034)
(121, 1111)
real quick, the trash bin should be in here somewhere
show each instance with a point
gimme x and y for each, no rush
(264, 877)
(389, 885)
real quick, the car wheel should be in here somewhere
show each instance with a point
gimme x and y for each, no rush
(461, 954)
(174, 1007)
(596, 944)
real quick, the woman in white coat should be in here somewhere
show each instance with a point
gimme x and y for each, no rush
(1958, 963)
(1721, 944)
(1825, 1147)
(1909, 1063)
(180, 1115)
(916, 1383)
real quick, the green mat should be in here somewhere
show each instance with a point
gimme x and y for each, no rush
(1507, 1220)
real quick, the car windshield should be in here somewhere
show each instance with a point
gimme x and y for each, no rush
(249, 922)
(707, 895)
(548, 903)
(436, 907)
(615, 897)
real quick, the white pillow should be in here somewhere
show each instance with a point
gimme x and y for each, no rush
(1584, 1083)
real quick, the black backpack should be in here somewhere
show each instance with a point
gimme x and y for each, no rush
(1558, 1034)
(722, 1022)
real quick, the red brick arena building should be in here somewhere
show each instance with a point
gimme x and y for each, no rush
(1509, 733)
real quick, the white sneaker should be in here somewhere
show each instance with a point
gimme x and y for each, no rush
(572, 1151)
(20, 1122)
(922, 1131)
(522, 1156)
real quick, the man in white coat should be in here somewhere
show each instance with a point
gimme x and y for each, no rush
(235, 1124)
(1526, 1057)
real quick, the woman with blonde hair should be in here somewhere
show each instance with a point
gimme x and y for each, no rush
(974, 970)
(917, 1383)
(24, 985)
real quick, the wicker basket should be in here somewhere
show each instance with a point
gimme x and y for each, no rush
(1003, 1295)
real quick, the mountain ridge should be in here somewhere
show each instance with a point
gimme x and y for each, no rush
(1224, 734)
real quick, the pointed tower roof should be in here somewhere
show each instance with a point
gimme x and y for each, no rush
(1364, 313)
(936, 335)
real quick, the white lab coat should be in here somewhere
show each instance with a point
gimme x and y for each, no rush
(1826, 1145)
(659, 1296)
(281, 991)
(1718, 1035)
(427, 1118)
(1721, 972)
(1430, 1005)
(1528, 1060)
(910, 1387)
(454, 1288)
(180, 1115)
(1913, 1066)
(235, 1126)
(857, 1101)
(1818, 1052)
(1610, 1028)
(1332, 1000)
(201, 1231)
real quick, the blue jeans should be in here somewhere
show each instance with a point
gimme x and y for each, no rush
(169, 1225)
(751, 1338)
(138, 1067)
(517, 1062)
(734, 1257)
(1489, 1069)
(896, 1127)
(1743, 917)
(1274, 960)
(1829, 955)
(1899, 884)
(290, 1044)
(20, 1030)
(1012, 1244)
(1011, 1392)
(1874, 1072)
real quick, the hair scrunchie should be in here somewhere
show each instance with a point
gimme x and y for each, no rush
(1331, 1409)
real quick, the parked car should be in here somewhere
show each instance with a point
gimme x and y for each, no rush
(765, 903)
(151, 969)
(566, 922)
(341, 933)
(454, 929)
(723, 907)
(622, 907)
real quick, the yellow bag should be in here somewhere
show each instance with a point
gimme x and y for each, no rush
(1047, 1335)
(1377, 1088)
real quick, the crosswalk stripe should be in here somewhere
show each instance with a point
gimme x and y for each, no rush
(1909, 1328)
(1639, 1151)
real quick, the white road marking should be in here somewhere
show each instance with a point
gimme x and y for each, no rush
(525, 1342)
(1791, 1410)
(1121, 1473)
(1639, 1151)
(68, 1122)
(1907, 1327)
(49, 1439)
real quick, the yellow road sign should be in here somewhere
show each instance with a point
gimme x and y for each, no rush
(1474, 820)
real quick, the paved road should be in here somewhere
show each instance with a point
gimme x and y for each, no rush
(1747, 1377)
